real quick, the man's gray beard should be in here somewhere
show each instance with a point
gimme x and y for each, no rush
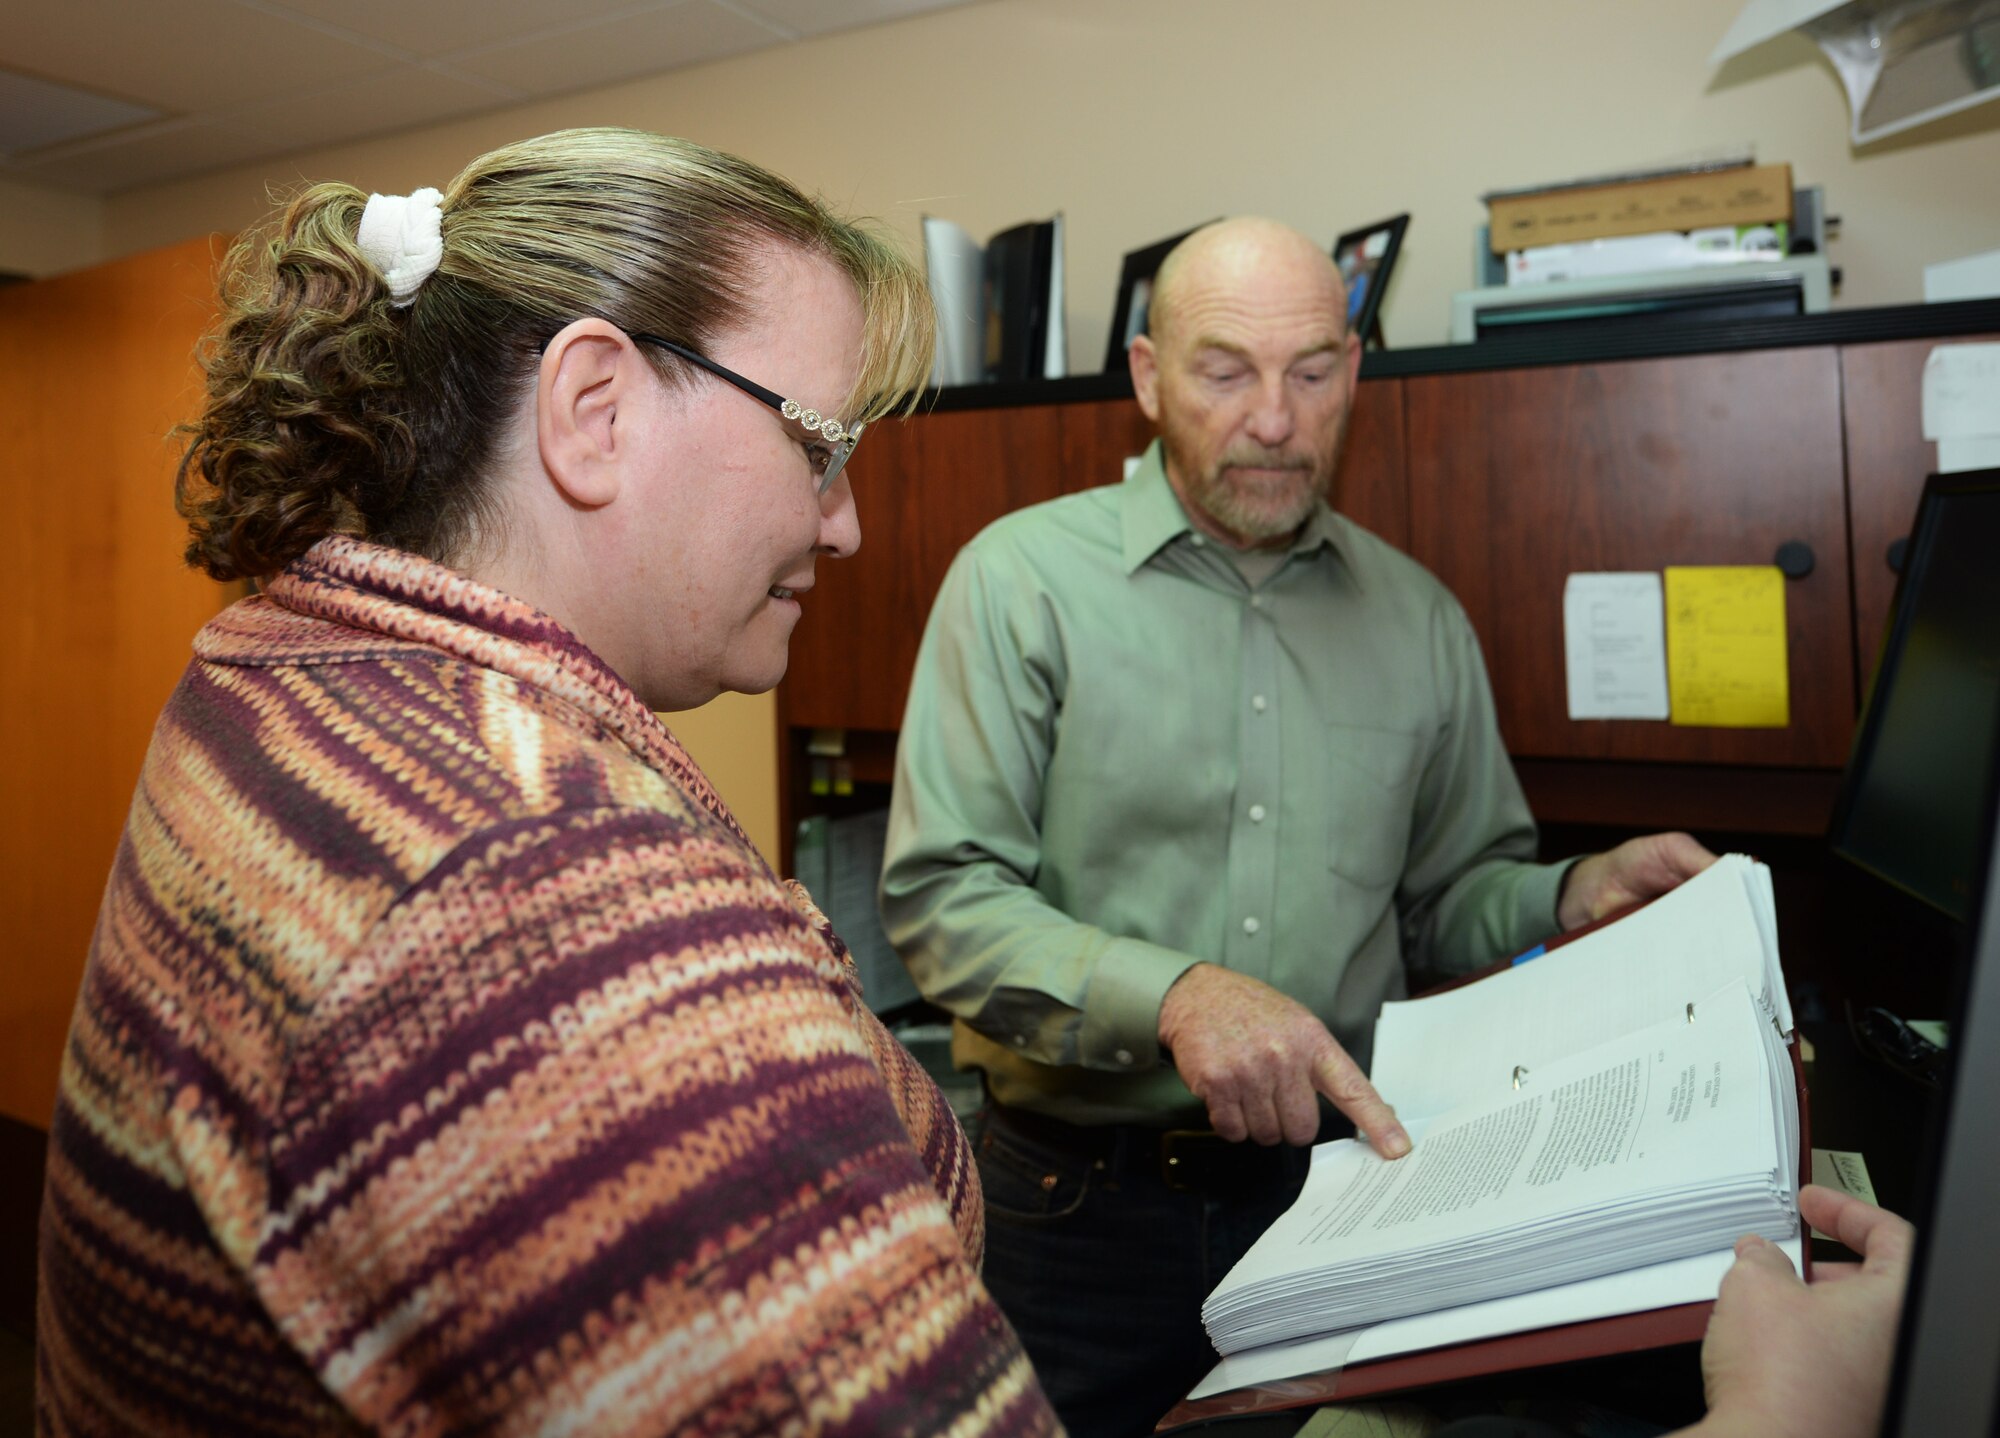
(1212, 492)
(1258, 521)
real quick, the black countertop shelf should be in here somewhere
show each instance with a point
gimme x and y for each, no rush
(1616, 341)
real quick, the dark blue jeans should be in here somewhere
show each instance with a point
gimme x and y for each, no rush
(1102, 1267)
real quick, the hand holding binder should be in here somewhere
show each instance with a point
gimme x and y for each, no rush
(1634, 872)
(1784, 1357)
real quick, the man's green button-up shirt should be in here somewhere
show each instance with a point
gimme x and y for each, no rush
(1120, 759)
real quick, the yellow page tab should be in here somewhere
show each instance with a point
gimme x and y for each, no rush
(1726, 661)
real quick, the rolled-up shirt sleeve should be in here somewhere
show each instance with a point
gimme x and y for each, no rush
(958, 893)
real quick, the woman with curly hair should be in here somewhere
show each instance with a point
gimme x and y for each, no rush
(448, 1061)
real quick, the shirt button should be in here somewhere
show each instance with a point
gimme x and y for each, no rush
(1200, 542)
(1020, 1041)
(1256, 601)
(1250, 925)
(1257, 702)
(1124, 1056)
(1256, 813)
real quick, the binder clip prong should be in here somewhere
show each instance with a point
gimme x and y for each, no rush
(1519, 1074)
(1690, 1013)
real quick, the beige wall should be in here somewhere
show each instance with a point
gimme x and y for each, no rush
(1140, 117)
(45, 232)
(735, 740)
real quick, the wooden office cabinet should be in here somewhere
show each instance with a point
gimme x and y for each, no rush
(1371, 487)
(1518, 478)
(1887, 459)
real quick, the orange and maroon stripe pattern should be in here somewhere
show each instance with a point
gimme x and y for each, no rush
(448, 1062)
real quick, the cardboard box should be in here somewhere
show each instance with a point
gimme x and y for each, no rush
(1757, 194)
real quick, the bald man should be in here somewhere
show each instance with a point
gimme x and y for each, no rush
(1193, 769)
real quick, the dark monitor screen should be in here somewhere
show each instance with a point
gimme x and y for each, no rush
(1910, 808)
(1946, 1379)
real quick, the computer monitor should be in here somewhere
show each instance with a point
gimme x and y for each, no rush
(1946, 1380)
(1909, 807)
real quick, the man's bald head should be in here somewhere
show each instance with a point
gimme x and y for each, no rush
(1230, 255)
(1247, 370)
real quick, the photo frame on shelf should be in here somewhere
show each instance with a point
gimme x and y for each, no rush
(1135, 295)
(1365, 258)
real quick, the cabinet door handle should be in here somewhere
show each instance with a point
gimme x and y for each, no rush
(1794, 559)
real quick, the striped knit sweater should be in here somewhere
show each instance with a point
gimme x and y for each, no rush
(448, 1062)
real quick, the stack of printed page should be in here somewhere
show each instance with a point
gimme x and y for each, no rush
(1593, 1131)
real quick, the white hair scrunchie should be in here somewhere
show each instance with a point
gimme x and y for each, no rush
(403, 237)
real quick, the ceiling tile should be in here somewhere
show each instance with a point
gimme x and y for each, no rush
(821, 17)
(438, 27)
(243, 80)
(605, 51)
(34, 113)
(185, 57)
(153, 153)
(399, 99)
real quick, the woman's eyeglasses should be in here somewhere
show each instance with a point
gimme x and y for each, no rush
(840, 440)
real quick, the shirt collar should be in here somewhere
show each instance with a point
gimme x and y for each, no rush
(1153, 516)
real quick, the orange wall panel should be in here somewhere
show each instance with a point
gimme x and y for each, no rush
(96, 368)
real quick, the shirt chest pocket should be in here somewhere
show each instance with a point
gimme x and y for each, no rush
(1370, 794)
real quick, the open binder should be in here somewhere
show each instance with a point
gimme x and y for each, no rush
(1621, 1316)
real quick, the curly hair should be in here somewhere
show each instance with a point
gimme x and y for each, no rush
(331, 411)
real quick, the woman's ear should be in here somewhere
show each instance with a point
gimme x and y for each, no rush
(589, 373)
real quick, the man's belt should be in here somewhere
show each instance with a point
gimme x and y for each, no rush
(1184, 1159)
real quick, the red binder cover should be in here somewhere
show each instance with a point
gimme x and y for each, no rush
(1536, 1348)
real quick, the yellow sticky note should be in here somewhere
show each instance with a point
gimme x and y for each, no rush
(1726, 661)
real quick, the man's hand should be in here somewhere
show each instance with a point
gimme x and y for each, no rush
(1259, 1060)
(1636, 870)
(1782, 1358)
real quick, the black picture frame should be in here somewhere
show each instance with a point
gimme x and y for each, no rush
(1365, 258)
(1135, 293)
